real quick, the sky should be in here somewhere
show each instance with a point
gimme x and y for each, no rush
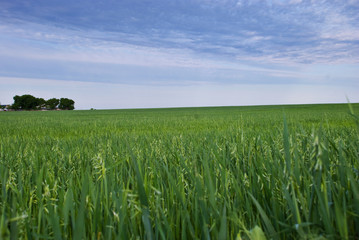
(110, 54)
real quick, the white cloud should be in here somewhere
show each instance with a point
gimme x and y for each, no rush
(295, 31)
(285, 2)
(67, 47)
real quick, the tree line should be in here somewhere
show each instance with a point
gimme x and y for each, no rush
(29, 102)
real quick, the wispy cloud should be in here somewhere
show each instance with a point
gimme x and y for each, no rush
(115, 59)
(278, 29)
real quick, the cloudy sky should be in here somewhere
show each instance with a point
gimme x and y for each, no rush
(173, 53)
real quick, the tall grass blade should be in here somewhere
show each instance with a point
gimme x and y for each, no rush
(223, 229)
(286, 146)
(267, 222)
(144, 201)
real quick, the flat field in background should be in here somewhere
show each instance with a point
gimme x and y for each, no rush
(275, 172)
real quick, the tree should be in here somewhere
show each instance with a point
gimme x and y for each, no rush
(52, 103)
(26, 102)
(29, 102)
(40, 103)
(16, 105)
(67, 104)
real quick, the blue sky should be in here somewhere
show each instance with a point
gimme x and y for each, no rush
(172, 53)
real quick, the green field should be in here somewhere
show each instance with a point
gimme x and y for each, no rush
(261, 172)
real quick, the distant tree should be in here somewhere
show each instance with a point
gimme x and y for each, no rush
(29, 102)
(26, 102)
(67, 104)
(17, 102)
(52, 103)
(40, 103)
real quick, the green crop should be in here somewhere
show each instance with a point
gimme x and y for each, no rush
(261, 172)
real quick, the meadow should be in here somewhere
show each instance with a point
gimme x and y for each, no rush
(259, 172)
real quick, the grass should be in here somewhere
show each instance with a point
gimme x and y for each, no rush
(261, 172)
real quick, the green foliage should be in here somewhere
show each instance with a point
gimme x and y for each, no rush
(187, 173)
(29, 102)
(52, 103)
(66, 104)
